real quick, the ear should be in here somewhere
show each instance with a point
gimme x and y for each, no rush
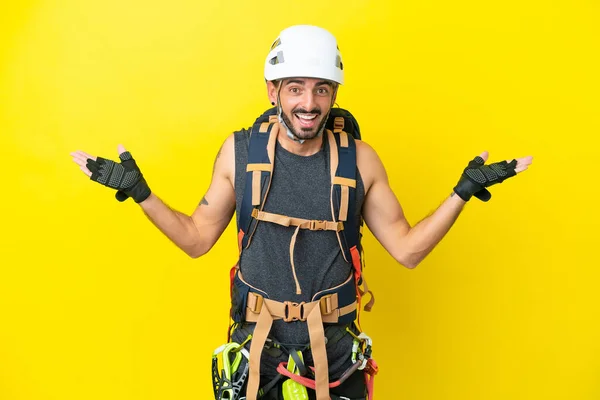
(272, 91)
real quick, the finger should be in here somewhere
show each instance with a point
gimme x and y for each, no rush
(522, 163)
(485, 156)
(77, 155)
(85, 170)
(121, 149)
(83, 154)
(80, 159)
(523, 160)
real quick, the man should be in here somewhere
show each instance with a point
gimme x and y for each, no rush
(280, 263)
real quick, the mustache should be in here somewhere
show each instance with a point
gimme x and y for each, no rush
(303, 111)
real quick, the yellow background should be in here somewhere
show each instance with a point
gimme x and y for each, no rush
(96, 304)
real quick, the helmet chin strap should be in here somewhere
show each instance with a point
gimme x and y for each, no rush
(289, 132)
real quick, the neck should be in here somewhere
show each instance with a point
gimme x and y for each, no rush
(308, 148)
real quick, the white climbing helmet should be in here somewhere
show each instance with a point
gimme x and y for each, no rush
(305, 51)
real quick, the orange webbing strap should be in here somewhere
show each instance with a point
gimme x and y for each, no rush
(338, 180)
(344, 203)
(290, 311)
(302, 223)
(261, 331)
(343, 139)
(258, 167)
(263, 311)
(371, 302)
(256, 192)
(316, 333)
(292, 246)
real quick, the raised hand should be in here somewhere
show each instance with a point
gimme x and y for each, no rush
(125, 176)
(477, 176)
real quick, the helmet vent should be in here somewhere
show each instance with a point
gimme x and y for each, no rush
(277, 59)
(276, 43)
(338, 63)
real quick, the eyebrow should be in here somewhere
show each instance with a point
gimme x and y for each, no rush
(301, 82)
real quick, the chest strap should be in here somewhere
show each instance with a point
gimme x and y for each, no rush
(264, 311)
(299, 223)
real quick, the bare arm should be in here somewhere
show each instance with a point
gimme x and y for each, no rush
(197, 234)
(384, 216)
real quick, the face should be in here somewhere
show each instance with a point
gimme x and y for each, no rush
(305, 103)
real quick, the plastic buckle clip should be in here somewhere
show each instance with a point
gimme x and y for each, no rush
(317, 225)
(293, 311)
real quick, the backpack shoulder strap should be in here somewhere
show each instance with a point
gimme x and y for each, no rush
(342, 150)
(259, 171)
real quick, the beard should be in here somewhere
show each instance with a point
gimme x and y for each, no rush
(303, 133)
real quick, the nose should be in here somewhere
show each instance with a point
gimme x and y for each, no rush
(308, 101)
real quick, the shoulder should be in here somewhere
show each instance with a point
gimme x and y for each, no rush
(369, 164)
(228, 146)
(364, 150)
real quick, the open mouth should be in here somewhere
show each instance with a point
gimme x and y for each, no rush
(307, 120)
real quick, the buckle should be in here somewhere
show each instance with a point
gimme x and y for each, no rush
(293, 311)
(325, 305)
(338, 124)
(254, 212)
(258, 303)
(317, 225)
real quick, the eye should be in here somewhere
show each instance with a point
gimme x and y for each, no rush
(322, 91)
(294, 90)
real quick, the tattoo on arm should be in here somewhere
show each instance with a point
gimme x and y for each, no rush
(204, 201)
